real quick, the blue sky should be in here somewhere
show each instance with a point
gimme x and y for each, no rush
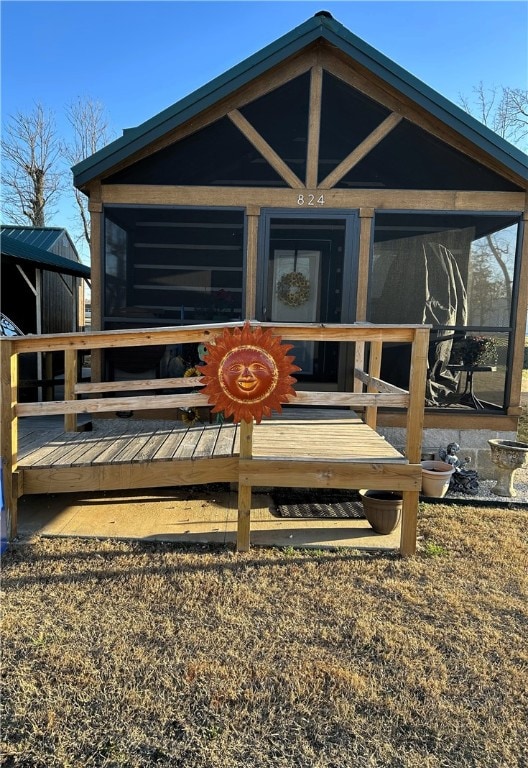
(138, 58)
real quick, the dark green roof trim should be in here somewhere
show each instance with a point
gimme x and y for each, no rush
(23, 251)
(318, 27)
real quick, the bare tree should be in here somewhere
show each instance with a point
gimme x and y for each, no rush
(504, 110)
(31, 177)
(89, 123)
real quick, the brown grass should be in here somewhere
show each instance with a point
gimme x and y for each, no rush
(135, 654)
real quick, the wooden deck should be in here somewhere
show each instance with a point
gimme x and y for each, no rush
(320, 442)
(171, 452)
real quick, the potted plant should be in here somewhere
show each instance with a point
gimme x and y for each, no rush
(473, 351)
(382, 509)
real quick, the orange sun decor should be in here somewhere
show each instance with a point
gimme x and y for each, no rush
(247, 373)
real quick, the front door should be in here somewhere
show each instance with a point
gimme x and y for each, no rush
(307, 266)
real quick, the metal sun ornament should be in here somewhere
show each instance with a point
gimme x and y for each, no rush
(247, 373)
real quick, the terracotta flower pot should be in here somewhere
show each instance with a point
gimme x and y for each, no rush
(436, 476)
(382, 509)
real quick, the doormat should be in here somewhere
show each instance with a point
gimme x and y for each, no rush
(317, 503)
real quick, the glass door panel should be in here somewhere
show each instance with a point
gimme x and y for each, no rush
(305, 263)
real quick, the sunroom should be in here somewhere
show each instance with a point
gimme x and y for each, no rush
(319, 182)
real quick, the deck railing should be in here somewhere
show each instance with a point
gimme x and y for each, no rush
(368, 393)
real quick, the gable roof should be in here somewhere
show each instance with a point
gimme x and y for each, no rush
(21, 249)
(321, 26)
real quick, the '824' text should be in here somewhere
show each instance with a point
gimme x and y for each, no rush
(310, 200)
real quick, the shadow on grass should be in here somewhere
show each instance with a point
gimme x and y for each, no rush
(285, 557)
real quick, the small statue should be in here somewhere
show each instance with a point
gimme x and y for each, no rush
(462, 480)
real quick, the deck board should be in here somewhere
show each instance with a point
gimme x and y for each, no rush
(302, 436)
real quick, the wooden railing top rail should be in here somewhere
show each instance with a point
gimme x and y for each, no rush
(359, 332)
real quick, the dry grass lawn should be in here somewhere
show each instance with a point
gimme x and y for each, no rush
(135, 654)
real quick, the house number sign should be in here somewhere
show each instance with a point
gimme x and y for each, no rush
(310, 200)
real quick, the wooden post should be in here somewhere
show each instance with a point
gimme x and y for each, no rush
(253, 214)
(9, 436)
(244, 491)
(95, 208)
(70, 380)
(366, 216)
(415, 417)
(417, 378)
(371, 411)
(48, 375)
(408, 524)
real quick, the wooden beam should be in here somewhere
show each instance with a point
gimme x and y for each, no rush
(441, 200)
(183, 400)
(115, 477)
(361, 151)
(267, 152)
(314, 127)
(453, 418)
(283, 473)
(378, 384)
(417, 381)
(409, 523)
(194, 334)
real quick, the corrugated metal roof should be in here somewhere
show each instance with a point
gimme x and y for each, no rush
(40, 237)
(21, 250)
(318, 27)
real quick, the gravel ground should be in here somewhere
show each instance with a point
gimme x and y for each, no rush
(520, 485)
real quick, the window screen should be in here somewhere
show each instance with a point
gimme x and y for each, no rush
(456, 273)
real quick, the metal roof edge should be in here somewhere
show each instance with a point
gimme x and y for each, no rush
(335, 33)
(59, 232)
(11, 246)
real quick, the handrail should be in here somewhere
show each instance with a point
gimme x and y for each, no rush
(369, 392)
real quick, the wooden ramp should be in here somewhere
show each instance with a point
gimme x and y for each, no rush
(165, 450)
(319, 441)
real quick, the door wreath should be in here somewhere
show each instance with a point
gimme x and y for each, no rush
(293, 289)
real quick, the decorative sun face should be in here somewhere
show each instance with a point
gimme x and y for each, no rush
(247, 373)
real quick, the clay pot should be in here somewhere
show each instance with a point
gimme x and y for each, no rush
(436, 476)
(382, 509)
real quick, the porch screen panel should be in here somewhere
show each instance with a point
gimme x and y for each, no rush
(217, 155)
(281, 117)
(169, 266)
(174, 266)
(455, 272)
(411, 158)
(347, 118)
